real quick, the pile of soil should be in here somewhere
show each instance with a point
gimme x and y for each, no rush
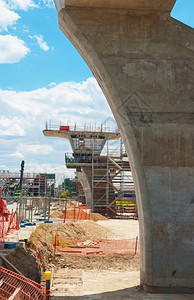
(57, 214)
(80, 230)
(40, 240)
(97, 217)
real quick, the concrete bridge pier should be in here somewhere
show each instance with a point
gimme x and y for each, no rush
(85, 181)
(144, 62)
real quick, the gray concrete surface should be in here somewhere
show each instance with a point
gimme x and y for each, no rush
(85, 182)
(144, 62)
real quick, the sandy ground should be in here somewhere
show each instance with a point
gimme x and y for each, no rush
(113, 280)
(121, 229)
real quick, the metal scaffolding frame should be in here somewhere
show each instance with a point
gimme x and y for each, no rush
(112, 185)
(118, 179)
(107, 178)
(34, 184)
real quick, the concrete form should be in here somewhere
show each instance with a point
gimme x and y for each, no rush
(144, 62)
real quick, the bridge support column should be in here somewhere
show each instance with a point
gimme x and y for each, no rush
(144, 62)
(86, 183)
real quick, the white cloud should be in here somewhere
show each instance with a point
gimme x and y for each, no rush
(52, 84)
(37, 149)
(7, 16)
(21, 4)
(2, 167)
(17, 155)
(12, 49)
(48, 3)
(25, 29)
(43, 45)
(80, 103)
(68, 100)
(60, 171)
(11, 126)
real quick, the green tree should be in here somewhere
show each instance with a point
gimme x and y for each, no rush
(65, 194)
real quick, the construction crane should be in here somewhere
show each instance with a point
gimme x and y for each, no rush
(18, 192)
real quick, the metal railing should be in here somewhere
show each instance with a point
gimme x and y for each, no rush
(86, 127)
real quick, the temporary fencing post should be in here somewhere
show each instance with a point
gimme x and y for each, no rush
(78, 214)
(136, 244)
(74, 214)
(56, 241)
(65, 210)
(47, 276)
(81, 213)
(38, 259)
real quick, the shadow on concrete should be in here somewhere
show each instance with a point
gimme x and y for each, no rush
(135, 293)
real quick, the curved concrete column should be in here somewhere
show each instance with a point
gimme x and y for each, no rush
(144, 62)
(86, 184)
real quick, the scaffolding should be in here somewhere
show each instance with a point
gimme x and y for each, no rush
(115, 190)
(34, 184)
(105, 178)
(112, 185)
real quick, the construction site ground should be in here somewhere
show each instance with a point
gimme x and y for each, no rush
(94, 276)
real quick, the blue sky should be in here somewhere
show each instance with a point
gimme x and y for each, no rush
(43, 77)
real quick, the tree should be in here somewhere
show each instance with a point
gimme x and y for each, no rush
(65, 194)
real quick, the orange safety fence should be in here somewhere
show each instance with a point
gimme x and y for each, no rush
(6, 226)
(75, 214)
(15, 286)
(13, 221)
(3, 228)
(101, 246)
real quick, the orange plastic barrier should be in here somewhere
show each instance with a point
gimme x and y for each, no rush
(74, 214)
(3, 228)
(15, 286)
(101, 246)
(6, 226)
(13, 222)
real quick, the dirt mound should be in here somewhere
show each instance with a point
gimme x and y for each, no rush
(41, 239)
(57, 214)
(97, 217)
(80, 230)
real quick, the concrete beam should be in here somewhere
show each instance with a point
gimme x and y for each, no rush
(55, 133)
(151, 5)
